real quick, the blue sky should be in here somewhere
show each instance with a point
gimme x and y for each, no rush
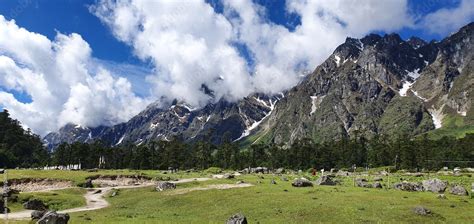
(188, 46)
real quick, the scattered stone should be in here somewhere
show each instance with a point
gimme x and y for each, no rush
(458, 190)
(88, 184)
(35, 204)
(273, 182)
(408, 186)
(261, 177)
(240, 182)
(98, 192)
(37, 214)
(284, 179)
(377, 185)
(326, 180)
(237, 219)
(52, 217)
(435, 185)
(164, 185)
(114, 193)
(302, 182)
(441, 196)
(383, 173)
(342, 173)
(420, 210)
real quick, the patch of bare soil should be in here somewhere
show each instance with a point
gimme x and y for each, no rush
(38, 184)
(120, 180)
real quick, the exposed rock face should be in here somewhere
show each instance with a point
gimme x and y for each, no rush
(301, 182)
(163, 186)
(435, 185)
(458, 190)
(237, 219)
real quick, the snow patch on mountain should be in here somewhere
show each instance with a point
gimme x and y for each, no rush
(405, 87)
(437, 116)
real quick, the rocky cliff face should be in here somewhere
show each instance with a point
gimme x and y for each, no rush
(377, 84)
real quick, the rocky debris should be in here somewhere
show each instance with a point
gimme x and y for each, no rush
(88, 184)
(383, 173)
(164, 185)
(435, 185)
(240, 182)
(284, 179)
(377, 185)
(52, 217)
(302, 182)
(458, 190)
(420, 210)
(237, 219)
(441, 196)
(326, 180)
(35, 204)
(273, 182)
(408, 186)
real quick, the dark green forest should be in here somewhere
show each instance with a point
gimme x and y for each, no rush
(20, 148)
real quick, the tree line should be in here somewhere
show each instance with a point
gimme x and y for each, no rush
(19, 148)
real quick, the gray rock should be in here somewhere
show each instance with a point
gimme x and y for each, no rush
(342, 173)
(240, 182)
(228, 176)
(52, 217)
(361, 182)
(37, 214)
(88, 184)
(301, 182)
(377, 185)
(408, 186)
(378, 179)
(279, 171)
(441, 196)
(114, 193)
(273, 182)
(458, 190)
(237, 219)
(284, 178)
(435, 185)
(420, 210)
(164, 185)
(326, 180)
(35, 204)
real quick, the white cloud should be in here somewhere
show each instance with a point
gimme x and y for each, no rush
(190, 44)
(57, 75)
(447, 20)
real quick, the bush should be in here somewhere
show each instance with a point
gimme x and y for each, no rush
(213, 170)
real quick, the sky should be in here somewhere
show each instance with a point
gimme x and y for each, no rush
(100, 62)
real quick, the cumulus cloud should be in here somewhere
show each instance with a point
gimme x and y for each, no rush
(448, 20)
(190, 44)
(57, 76)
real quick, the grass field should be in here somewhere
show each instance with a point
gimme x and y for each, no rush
(280, 203)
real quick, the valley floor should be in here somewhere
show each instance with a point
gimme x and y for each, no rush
(207, 201)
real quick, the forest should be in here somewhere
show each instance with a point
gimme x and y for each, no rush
(22, 148)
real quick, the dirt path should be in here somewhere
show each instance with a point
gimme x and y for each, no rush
(94, 198)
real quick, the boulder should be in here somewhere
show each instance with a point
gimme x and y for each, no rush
(361, 182)
(273, 182)
(377, 185)
(164, 185)
(279, 171)
(326, 180)
(342, 173)
(458, 190)
(435, 185)
(228, 176)
(378, 179)
(35, 204)
(52, 217)
(302, 182)
(237, 219)
(408, 186)
(284, 179)
(441, 196)
(37, 214)
(420, 210)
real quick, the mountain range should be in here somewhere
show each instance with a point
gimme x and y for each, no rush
(368, 86)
